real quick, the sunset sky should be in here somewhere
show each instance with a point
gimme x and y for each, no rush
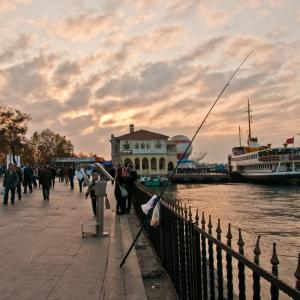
(89, 68)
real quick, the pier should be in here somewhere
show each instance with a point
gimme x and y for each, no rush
(200, 177)
(43, 256)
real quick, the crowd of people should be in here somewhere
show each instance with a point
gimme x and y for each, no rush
(27, 178)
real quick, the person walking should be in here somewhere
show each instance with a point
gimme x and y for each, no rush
(91, 192)
(130, 180)
(71, 177)
(20, 181)
(121, 201)
(35, 176)
(10, 182)
(28, 173)
(45, 179)
(66, 175)
(80, 177)
(53, 174)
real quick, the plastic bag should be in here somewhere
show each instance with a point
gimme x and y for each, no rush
(155, 215)
(123, 191)
(149, 205)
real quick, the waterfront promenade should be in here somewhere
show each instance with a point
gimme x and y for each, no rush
(43, 256)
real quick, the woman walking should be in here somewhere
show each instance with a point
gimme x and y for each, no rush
(121, 200)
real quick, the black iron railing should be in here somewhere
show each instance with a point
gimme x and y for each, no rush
(188, 252)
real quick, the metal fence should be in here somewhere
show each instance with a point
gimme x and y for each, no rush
(200, 265)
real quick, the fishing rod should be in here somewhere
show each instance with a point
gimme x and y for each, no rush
(184, 153)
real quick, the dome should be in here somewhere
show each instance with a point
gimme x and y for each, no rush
(182, 142)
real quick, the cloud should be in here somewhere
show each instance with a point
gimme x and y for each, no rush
(23, 42)
(158, 39)
(79, 98)
(85, 26)
(65, 73)
(11, 5)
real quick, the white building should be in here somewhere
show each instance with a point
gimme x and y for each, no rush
(148, 152)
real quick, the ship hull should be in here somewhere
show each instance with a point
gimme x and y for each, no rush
(272, 178)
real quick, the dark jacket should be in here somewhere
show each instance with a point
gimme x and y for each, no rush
(10, 179)
(71, 172)
(28, 173)
(119, 181)
(53, 172)
(20, 175)
(45, 177)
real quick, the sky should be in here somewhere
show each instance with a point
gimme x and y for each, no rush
(89, 68)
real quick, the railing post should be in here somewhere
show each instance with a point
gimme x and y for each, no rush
(211, 261)
(229, 266)
(241, 267)
(191, 255)
(275, 262)
(204, 259)
(297, 274)
(256, 276)
(198, 268)
(183, 287)
(219, 263)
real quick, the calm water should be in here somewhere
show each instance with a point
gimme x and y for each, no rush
(271, 211)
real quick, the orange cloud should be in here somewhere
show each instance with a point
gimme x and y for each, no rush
(85, 26)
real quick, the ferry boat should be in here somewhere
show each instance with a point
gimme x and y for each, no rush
(264, 163)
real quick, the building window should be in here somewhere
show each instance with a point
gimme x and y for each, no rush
(137, 146)
(145, 164)
(126, 146)
(142, 146)
(137, 164)
(148, 146)
(153, 163)
(158, 145)
(170, 166)
(162, 164)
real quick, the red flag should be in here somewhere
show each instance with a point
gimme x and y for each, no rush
(290, 141)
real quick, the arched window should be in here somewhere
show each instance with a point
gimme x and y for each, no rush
(137, 146)
(158, 145)
(162, 164)
(142, 146)
(127, 162)
(170, 166)
(153, 163)
(145, 164)
(148, 146)
(137, 163)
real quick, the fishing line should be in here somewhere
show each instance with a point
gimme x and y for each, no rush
(184, 153)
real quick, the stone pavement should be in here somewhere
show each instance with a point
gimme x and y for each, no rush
(43, 256)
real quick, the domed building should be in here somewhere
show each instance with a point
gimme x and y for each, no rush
(182, 143)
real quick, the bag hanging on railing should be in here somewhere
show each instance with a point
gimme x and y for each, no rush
(123, 191)
(155, 215)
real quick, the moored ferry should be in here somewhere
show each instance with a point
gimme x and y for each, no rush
(265, 163)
